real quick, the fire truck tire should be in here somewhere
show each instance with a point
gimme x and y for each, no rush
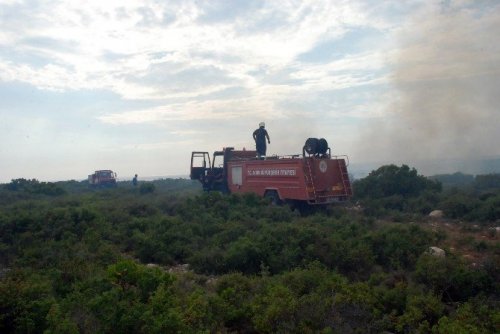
(273, 197)
(302, 207)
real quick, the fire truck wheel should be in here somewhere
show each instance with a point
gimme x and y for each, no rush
(273, 197)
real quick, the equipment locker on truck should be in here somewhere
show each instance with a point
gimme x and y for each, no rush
(315, 177)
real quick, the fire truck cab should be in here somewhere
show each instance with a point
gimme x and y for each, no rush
(314, 177)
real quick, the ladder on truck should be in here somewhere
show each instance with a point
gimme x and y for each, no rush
(344, 175)
(310, 181)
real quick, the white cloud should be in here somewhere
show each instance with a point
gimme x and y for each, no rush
(101, 27)
(192, 110)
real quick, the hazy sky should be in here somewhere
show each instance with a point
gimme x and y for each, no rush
(135, 86)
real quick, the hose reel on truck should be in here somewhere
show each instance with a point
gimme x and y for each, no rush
(316, 147)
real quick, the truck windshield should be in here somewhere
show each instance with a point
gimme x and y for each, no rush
(218, 160)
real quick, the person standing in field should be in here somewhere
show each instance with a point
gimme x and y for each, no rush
(260, 135)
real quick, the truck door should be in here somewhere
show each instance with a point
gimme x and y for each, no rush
(199, 163)
(217, 174)
(211, 174)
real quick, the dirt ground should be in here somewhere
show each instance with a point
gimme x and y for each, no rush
(475, 242)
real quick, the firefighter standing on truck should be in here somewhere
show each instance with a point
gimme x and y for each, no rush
(260, 135)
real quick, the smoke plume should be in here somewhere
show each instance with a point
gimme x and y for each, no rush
(446, 89)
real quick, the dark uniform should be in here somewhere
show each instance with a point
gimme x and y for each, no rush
(260, 135)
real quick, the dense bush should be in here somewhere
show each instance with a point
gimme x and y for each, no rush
(35, 187)
(122, 261)
(487, 182)
(393, 188)
(452, 279)
(454, 180)
(471, 206)
(391, 180)
(146, 187)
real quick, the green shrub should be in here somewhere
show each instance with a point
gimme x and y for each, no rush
(146, 188)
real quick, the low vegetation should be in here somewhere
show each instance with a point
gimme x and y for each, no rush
(164, 257)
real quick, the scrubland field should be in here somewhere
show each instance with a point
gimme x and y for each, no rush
(163, 257)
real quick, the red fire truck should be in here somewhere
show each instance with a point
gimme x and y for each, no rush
(102, 178)
(315, 177)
